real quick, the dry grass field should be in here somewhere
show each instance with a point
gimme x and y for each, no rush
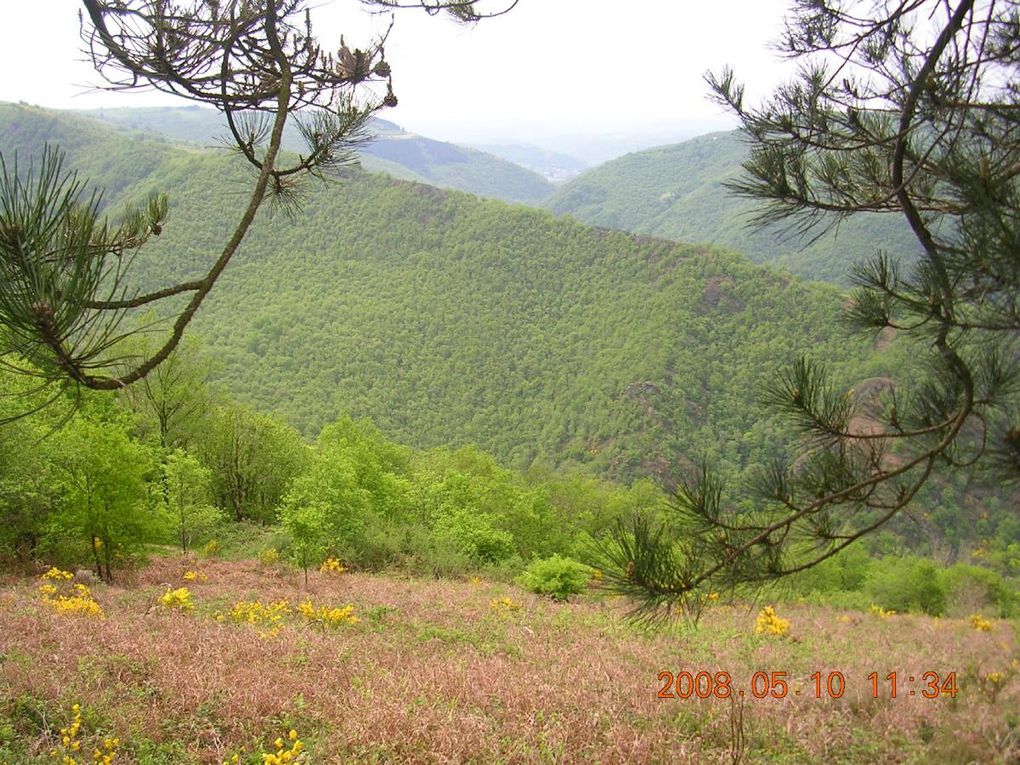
(479, 672)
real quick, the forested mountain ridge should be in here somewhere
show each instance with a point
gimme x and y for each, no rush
(553, 165)
(450, 319)
(392, 150)
(677, 192)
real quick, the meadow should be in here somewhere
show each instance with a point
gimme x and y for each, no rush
(247, 664)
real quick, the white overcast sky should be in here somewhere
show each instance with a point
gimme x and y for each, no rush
(567, 66)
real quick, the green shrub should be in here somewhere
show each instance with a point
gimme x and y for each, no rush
(906, 584)
(476, 536)
(556, 577)
(416, 550)
(846, 571)
(971, 589)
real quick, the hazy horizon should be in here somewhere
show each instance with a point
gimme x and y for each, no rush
(543, 75)
(592, 147)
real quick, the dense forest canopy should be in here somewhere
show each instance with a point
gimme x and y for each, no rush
(445, 318)
(449, 319)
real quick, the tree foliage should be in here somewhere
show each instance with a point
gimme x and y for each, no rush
(104, 503)
(907, 108)
(171, 401)
(253, 459)
(186, 486)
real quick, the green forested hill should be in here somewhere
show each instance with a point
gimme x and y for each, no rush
(677, 192)
(450, 319)
(393, 151)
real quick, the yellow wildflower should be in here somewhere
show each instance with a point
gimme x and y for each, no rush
(324, 616)
(332, 566)
(284, 755)
(269, 556)
(179, 599)
(75, 599)
(55, 574)
(504, 605)
(979, 623)
(770, 623)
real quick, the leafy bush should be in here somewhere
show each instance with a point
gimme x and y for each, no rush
(906, 584)
(973, 588)
(476, 536)
(413, 549)
(842, 573)
(556, 577)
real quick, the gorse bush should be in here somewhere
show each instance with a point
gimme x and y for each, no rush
(770, 623)
(177, 600)
(269, 617)
(327, 616)
(880, 612)
(332, 566)
(59, 593)
(557, 577)
(979, 623)
(504, 605)
(71, 748)
(269, 556)
(286, 752)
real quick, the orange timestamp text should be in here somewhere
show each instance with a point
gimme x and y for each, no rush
(819, 685)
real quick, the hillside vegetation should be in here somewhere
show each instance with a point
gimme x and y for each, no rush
(389, 591)
(677, 192)
(449, 319)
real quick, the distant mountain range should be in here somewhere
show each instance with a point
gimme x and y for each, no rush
(393, 150)
(554, 166)
(677, 192)
(674, 192)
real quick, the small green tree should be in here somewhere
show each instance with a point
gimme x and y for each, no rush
(104, 504)
(330, 494)
(171, 401)
(27, 487)
(187, 490)
(308, 527)
(252, 459)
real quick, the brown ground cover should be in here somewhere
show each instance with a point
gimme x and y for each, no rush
(434, 672)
